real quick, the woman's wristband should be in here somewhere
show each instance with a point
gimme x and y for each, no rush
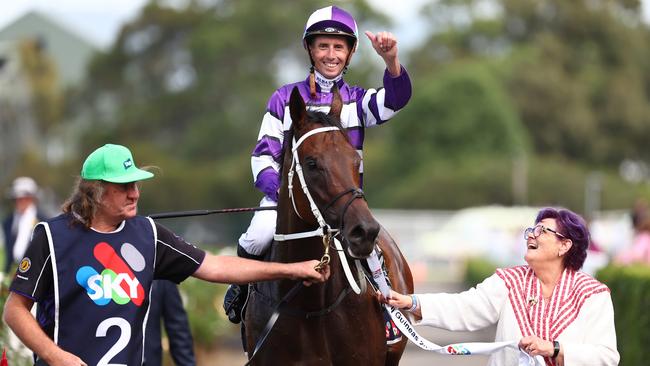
(556, 349)
(414, 302)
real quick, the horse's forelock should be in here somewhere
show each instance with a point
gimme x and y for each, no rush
(316, 117)
(323, 119)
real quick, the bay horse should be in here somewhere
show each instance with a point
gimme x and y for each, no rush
(324, 324)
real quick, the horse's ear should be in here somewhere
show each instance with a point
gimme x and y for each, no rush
(297, 107)
(337, 103)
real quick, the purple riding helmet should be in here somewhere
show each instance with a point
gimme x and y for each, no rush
(331, 21)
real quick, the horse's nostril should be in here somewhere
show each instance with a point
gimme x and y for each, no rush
(363, 234)
(357, 233)
(373, 232)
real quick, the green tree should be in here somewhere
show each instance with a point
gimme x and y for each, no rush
(461, 111)
(459, 133)
(570, 76)
(577, 69)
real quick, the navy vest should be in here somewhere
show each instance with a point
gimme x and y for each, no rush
(102, 283)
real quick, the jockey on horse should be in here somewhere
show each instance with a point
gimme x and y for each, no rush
(330, 38)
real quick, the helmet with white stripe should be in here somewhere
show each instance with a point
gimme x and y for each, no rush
(331, 21)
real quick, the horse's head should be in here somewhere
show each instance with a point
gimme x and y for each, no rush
(330, 166)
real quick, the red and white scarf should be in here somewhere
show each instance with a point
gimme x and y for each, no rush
(547, 320)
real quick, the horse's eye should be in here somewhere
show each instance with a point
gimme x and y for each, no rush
(311, 164)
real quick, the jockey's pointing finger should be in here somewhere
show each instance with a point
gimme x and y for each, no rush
(371, 36)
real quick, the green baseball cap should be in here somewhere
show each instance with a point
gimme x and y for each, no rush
(112, 163)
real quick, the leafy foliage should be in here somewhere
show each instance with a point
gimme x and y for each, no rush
(477, 270)
(576, 69)
(203, 306)
(462, 111)
(630, 289)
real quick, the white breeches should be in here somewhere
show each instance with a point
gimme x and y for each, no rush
(259, 235)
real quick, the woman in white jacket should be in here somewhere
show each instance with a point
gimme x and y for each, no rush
(552, 308)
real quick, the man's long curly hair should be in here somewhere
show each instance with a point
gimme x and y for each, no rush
(84, 201)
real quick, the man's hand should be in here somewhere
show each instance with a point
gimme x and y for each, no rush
(385, 44)
(306, 271)
(63, 358)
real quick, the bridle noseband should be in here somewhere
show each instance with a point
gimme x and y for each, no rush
(356, 193)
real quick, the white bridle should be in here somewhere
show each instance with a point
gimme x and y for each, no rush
(324, 230)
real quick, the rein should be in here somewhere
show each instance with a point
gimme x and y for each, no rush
(274, 317)
(173, 214)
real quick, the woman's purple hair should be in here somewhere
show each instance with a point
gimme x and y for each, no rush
(574, 227)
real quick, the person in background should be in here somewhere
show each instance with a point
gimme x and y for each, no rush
(90, 270)
(639, 213)
(639, 250)
(167, 307)
(549, 305)
(18, 225)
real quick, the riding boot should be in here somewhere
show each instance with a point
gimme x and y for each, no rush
(236, 295)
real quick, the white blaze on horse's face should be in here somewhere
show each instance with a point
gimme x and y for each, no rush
(330, 169)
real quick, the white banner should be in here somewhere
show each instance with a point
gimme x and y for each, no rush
(470, 348)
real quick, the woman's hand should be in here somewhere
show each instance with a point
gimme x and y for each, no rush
(533, 345)
(396, 300)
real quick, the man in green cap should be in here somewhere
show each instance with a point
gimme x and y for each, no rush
(90, 269)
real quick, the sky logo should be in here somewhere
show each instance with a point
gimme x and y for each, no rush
(117, 281)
